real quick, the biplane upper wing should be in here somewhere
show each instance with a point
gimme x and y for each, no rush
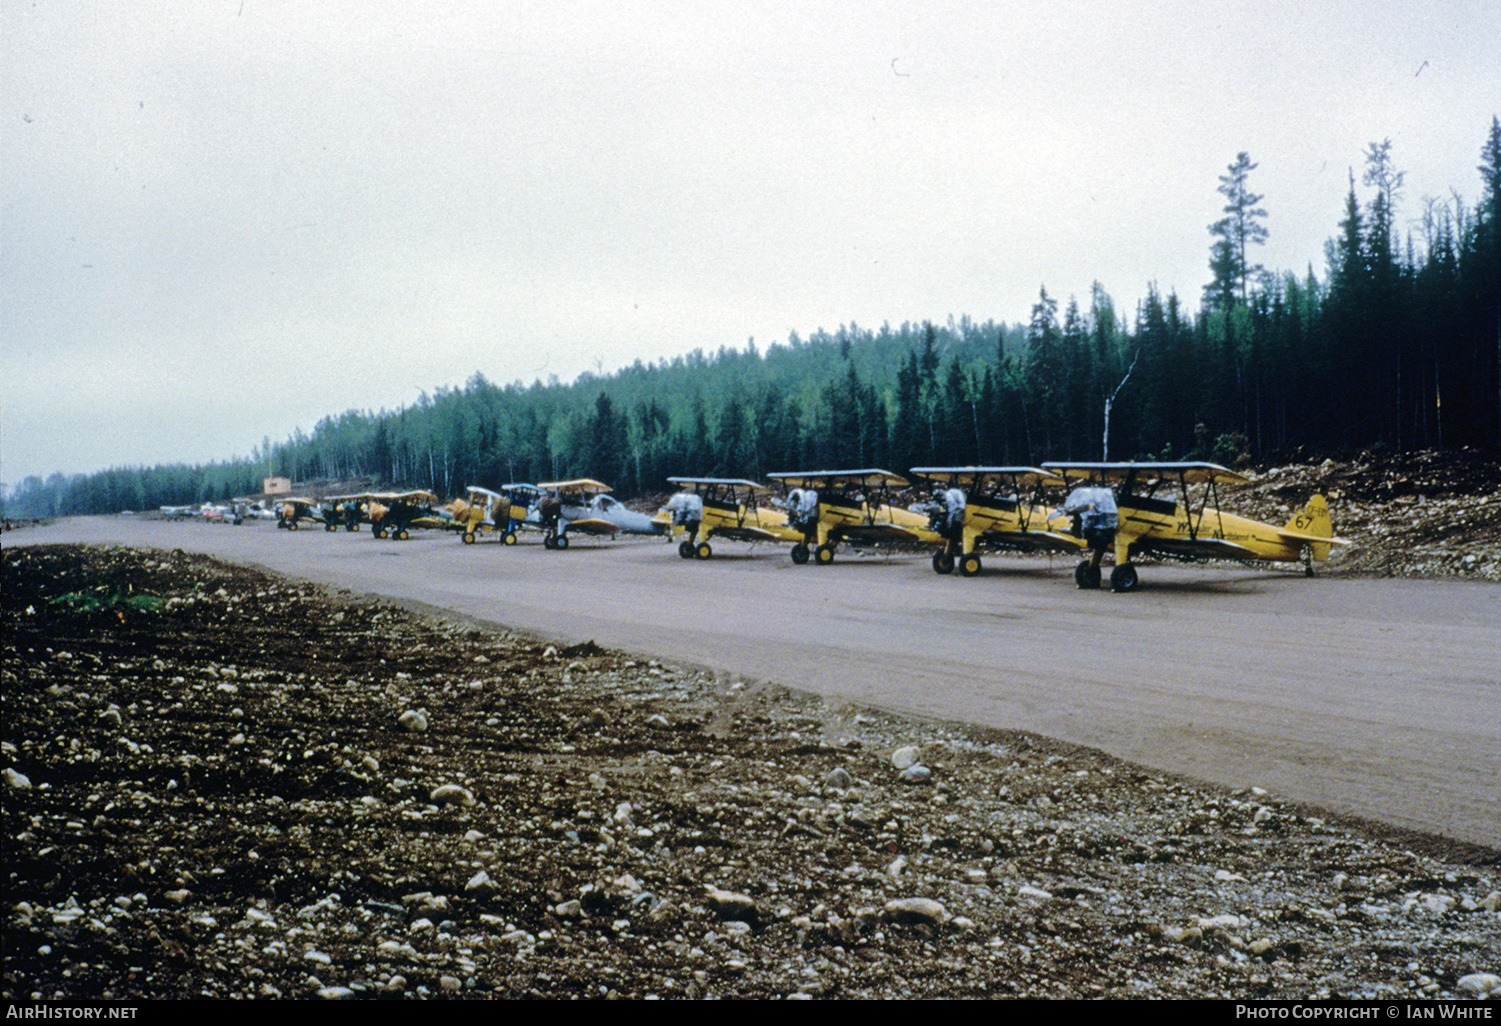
(738, 485)
(1020, 477)
(833, 478)
(1117, 473)
(584, 485)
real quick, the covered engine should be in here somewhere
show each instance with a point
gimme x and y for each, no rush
(686, 509)
(1094, 513)
(802, 508)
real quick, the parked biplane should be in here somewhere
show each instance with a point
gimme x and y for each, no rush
(294, 510)
(830, 506)
(723, 507)
(346, 511)
(993, 508)
(1114, 508)
(585, 505)
(483, 511)
(394, 513)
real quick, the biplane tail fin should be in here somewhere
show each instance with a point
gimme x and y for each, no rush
(1314, 521)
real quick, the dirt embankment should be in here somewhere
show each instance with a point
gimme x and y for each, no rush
(222, 783)
(1419, 514)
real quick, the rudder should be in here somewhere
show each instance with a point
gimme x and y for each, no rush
(1314, 520)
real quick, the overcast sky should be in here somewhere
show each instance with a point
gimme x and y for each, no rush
(224, 220)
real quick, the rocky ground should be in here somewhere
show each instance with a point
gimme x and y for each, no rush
(222, 783)
(1424, 514)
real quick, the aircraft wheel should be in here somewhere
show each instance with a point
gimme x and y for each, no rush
(685, 549)
(1086, 576)
(799, 554)
(969, 565)
(547, 542)
(402, 535)
(943, 562)
(1123, 578)
(704, 551)
(561, 542)
(824, 554)
(510, 538)
(468, 537)
(292, 526)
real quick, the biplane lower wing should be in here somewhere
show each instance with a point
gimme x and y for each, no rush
(593, 526)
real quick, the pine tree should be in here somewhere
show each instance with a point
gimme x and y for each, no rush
(1240, 228)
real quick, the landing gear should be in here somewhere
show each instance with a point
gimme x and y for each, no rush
(1123, 578)
(400, 535)
(969, 565)
(824, 554)
(799, 554)
(943, 562)
(468, 537)
(704, 551)
(509, 538)
(560, 542)
(685, 549)
(1087, 576)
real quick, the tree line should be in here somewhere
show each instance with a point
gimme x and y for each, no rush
(1395, 347)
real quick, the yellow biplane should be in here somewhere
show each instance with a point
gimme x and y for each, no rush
(723, 507)
(392, 513)
(994, 508)
(830, 506)
(504, 512)
(1115, 508)
(293, 510)
(347, 511)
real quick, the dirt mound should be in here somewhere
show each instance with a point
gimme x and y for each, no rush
(221, 783)
(1432, 513)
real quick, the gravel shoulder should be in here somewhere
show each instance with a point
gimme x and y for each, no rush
(214, 788)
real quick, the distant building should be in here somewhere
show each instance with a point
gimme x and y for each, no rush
(277, 486)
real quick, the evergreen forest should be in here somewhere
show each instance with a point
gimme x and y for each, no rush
(1394, 348)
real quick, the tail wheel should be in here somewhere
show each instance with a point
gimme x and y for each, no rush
(468, 537)
(510, 538)
(824, 554)
(685, 549)
(943, 562)
(1123, 578)
(969, 566)
(704, 551)
(799, 554)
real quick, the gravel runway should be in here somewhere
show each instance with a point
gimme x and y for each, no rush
(1378, 698)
